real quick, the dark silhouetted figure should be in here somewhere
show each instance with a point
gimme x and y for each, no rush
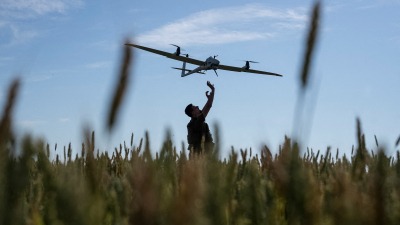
(199, 136)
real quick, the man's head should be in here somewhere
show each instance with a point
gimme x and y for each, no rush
(192, 110)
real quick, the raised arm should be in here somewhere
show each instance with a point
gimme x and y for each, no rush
(210, 99)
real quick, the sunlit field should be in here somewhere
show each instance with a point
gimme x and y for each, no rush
(130, 185)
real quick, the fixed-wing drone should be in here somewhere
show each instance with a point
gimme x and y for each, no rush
(211, 63)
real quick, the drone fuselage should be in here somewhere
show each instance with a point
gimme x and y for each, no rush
(211, 63)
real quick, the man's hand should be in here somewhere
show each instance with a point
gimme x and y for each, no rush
(210, 85)
(210, 99)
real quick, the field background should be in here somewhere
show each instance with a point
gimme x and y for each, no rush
(130, 186)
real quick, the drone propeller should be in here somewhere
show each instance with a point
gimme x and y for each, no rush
(247, 65)
(178, 49)
(250, 61)
(177, 46)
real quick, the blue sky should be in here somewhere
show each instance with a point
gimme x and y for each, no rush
(67, 54)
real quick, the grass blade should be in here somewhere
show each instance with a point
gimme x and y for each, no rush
(120, 88)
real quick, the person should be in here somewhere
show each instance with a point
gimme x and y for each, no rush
(199, 135)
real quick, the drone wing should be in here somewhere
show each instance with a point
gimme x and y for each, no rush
(240, 69)
(168, 54)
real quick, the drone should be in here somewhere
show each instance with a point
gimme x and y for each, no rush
(211, 63)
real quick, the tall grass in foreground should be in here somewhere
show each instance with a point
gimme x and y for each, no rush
(131, 186)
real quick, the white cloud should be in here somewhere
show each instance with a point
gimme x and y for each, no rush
(39, 78)
(64, 120)
(39, 7)
(30, 123)
(226, 25)
(20, 36)
(98, 65)
(11, 11)
(334, 6)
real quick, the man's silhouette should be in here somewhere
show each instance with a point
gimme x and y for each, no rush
(199, 136)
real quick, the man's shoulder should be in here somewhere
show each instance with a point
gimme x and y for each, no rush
(200, 117)
(196, 120)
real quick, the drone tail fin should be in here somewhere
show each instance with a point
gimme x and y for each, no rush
(183, 69)
(186, 72)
